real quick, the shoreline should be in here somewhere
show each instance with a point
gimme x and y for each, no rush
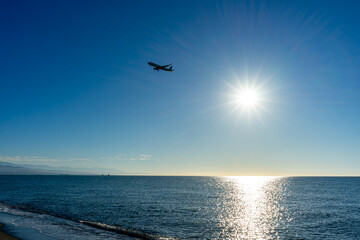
(10, 231)
(5, 236)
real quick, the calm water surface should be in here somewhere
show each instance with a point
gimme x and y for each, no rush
(185, 207)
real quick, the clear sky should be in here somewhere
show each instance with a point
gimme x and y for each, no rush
(76, 89)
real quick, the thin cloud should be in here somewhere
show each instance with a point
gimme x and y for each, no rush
(27, 159)
(143, 157)
(31, 160)
(121, 157)
(37, 159)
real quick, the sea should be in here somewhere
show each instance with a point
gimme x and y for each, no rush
(162, 207)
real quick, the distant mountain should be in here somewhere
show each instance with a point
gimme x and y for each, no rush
(7, 168)
(27, 169)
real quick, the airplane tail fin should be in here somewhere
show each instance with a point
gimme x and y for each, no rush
(171, 68)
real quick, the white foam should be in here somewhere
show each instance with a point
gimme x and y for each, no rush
(34, 226)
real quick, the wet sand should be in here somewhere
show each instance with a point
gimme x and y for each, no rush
(4, 236)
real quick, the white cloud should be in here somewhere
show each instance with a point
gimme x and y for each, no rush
(39, 160)
(143, 157)
(121, 157)
(27, 159)
(75, 161)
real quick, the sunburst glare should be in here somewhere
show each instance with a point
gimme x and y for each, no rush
(247, 98)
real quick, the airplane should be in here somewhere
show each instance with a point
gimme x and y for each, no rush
(158, 67)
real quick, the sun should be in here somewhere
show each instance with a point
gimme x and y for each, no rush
(247, 98)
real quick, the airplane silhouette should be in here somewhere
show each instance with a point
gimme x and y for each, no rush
(159, 67)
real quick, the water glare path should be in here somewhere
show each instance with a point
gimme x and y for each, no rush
(251, 208)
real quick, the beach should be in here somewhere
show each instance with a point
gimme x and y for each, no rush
(4, 236)
(18, 226)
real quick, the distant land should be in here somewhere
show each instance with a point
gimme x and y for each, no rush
(7, 168)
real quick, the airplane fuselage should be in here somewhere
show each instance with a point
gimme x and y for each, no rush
(159, 67)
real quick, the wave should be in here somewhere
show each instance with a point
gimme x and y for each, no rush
(130, 233)
(66, 228)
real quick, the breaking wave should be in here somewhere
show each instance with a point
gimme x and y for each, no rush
(64, 228)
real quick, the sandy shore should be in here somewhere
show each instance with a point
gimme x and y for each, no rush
(4, 236)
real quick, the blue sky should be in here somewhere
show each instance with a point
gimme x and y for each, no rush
(76, 90)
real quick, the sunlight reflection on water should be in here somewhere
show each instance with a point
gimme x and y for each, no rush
(189, 207)
(252, 210)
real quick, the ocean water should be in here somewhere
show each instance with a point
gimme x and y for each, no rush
(124, 207)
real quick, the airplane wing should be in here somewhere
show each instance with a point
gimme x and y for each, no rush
(161, 67)
(154, 64)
